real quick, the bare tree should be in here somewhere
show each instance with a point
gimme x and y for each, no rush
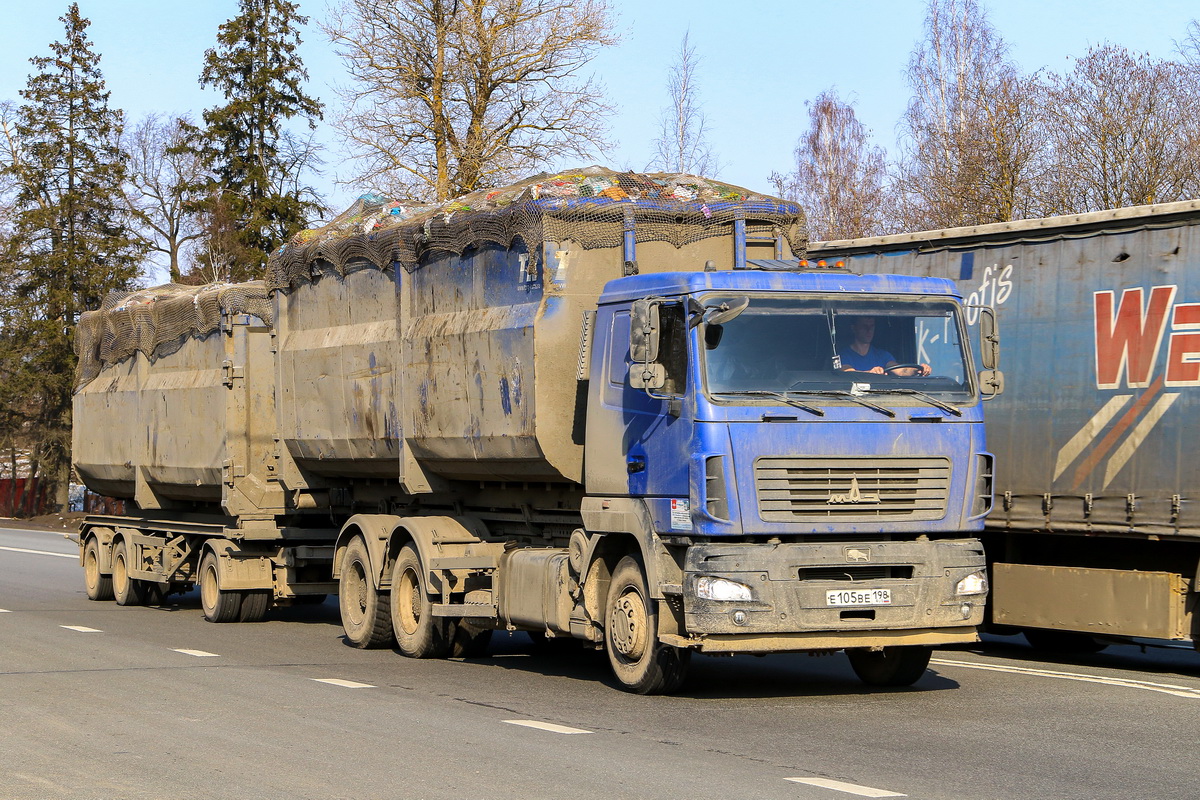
(449, 96)
(682, 144)
(1123, 132)
(839, 177)
(163, 174)
(971, 136)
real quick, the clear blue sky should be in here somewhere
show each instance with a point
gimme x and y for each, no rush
(761, 60)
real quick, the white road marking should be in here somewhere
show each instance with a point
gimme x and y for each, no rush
(544, 726)
(1128, 683)
(81, 628)
(849, 788)
(344, 684)
(4, 611)
(41, 552)
(196, 653)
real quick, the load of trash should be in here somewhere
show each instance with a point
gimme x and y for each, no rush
(159, 321)
(591, 207)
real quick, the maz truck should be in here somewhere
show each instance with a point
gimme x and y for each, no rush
(597, 405)
(1094, 537)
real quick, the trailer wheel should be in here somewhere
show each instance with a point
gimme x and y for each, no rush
(419, 634)
(218, 605)
(365, 615)
(126, 590)
(639, 661)
(893, 666)
(99, 587)
(254, 605)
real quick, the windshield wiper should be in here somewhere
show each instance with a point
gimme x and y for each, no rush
(846, 396)
(928, 398)
(777, 396)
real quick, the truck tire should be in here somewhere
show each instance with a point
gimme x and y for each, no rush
(1062, 642)
(127, 591)
(419, 634)
(639, 661)
(893, 666)
(254, 605)
(365, 614)
(99, 587)
(218, 605)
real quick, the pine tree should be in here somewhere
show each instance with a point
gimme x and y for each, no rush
(70, 242)
(254, 182)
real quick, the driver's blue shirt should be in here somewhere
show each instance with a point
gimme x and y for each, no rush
(874, 357)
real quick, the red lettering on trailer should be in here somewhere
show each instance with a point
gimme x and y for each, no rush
(1128, 340)
(1183, 352)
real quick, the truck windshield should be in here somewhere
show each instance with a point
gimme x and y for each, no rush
(831, 346)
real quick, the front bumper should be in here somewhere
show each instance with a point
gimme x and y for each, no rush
(789, 583)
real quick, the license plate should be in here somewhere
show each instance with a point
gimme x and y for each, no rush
(859, 597)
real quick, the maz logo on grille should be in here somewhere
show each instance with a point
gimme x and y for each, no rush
(854, 496)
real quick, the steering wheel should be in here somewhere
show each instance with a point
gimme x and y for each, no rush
(917, 367)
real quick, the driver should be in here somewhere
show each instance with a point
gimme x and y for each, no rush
(862, 356)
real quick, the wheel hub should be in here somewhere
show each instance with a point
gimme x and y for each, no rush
(627, 626)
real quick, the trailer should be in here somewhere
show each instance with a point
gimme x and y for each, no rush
(1093, 537)
(596, 405)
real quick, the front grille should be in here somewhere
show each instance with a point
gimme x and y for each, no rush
(873, 573)
(851, 489)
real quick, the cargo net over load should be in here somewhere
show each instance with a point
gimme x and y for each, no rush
(592, 207)
(159, 321)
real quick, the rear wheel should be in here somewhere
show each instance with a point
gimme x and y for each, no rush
(365, 617)
(893, 666)
(419, 634)
(218, 605)
(126, 590)
(639, 661)
(99, 587)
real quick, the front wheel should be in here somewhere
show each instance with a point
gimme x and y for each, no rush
(892, 666)
(639, 661)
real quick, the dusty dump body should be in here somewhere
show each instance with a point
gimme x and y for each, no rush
(1096, 528)
(462, 362)
(515, 411)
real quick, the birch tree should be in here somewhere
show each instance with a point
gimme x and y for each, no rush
(682, 144)
(839, 177)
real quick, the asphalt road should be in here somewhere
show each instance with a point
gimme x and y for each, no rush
(98, 701)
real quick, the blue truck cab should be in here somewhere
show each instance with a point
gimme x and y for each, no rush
(793, 502)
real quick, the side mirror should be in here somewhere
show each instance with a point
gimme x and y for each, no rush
(643, 332)
(726, 312)
(989, 338)
(991, 380)
(647, 376)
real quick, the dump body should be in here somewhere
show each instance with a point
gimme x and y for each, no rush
(1094, 435)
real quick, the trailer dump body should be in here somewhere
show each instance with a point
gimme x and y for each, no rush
(1095, 530)
(550, 408)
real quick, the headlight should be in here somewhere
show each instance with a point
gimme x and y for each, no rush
(710, 588)
(975, 583)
